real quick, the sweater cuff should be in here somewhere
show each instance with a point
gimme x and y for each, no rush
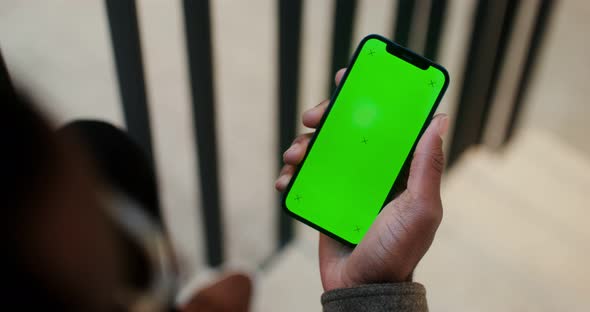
(404, 297)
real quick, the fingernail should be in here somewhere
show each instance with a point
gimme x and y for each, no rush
(443, 125)
(277, 182)
(281, 182)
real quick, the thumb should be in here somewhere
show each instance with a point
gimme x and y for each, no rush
(428, 162)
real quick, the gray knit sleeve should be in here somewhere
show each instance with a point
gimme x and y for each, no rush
(404, 297)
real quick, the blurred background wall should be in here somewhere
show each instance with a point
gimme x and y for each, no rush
(220, 100)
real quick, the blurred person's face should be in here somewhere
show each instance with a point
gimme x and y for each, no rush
(68, 239)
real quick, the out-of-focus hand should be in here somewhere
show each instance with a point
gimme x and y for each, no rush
(404, 229)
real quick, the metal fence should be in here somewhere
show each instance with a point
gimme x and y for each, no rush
(491, 31)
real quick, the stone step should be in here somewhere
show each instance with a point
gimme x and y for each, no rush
(291, 283)
(505, 252)
(512, 237)
(514, 231)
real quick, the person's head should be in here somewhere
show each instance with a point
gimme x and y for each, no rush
(60, 250)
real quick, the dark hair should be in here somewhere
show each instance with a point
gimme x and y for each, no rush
(28, 156)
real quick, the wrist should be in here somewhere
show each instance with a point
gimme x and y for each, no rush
(347, 280)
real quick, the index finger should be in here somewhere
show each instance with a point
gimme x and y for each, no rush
(311, 118)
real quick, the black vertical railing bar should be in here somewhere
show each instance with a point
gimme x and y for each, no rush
(124, 29)
(485, 36)
(200, 62)
(535, 44)
(344, 16)
(403, 21)
(289, 39)
(507, 30)
(436, 23)
(458, 144)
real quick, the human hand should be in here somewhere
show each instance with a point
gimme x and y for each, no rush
(403, 230)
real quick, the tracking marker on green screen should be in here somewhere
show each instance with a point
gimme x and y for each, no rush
(372, 124)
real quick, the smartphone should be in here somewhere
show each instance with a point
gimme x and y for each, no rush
(375, 118)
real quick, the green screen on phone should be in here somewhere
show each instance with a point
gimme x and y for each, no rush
(370, 128)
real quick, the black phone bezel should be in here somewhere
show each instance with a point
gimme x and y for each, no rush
(402, 53)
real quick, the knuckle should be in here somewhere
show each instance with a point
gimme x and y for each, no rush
(435, 159)
(432, 215)
(438, 161)
(426, 212)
